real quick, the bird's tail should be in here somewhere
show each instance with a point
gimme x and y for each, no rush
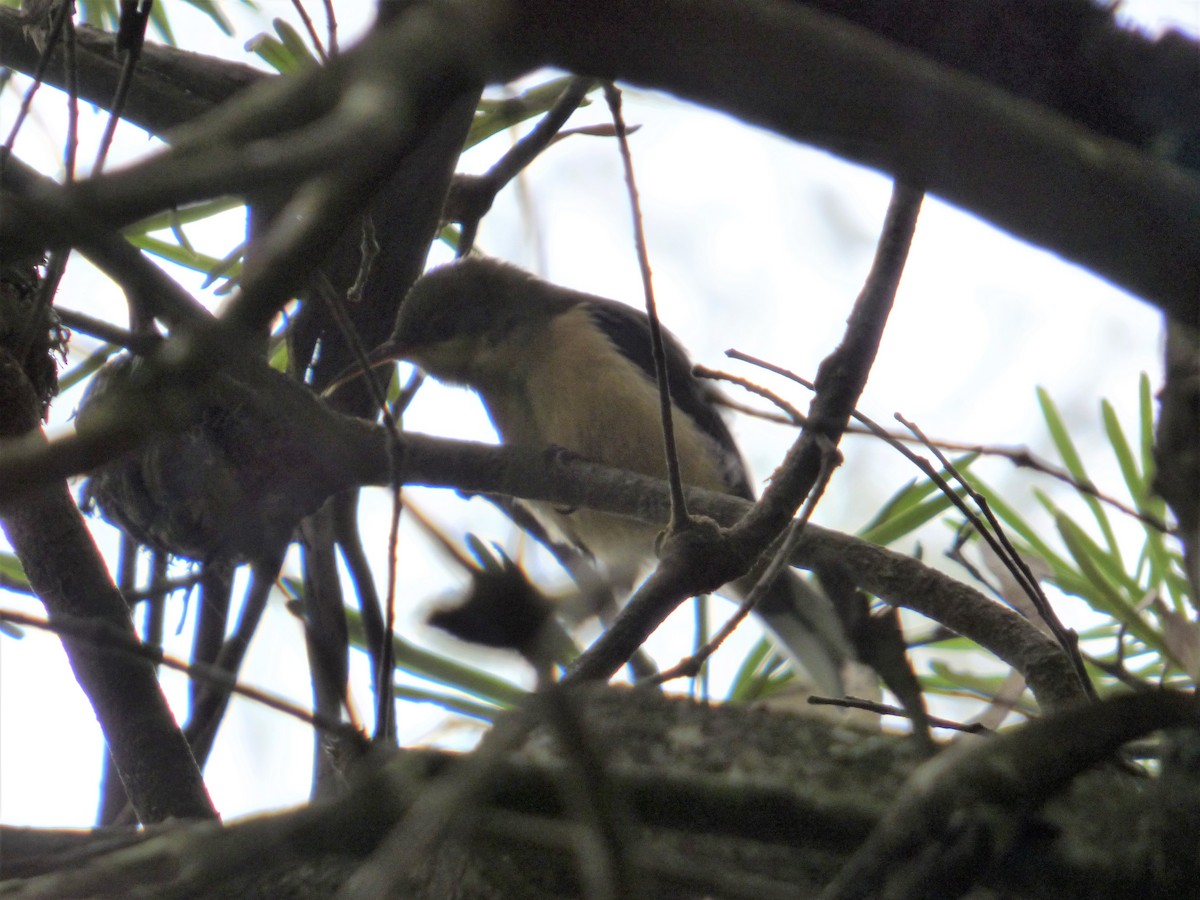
(808, 629)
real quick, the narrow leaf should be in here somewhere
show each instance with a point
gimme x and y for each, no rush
(1074, 463)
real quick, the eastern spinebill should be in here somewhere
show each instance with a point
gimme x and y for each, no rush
(564, 369)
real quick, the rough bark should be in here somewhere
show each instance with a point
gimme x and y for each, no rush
(718, 802)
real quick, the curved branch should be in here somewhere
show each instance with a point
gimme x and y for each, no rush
(172, 86)
(1122, 213)
(894, 577)
(936, 832)
(346, 451)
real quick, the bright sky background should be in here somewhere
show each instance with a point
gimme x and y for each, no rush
(757, 244)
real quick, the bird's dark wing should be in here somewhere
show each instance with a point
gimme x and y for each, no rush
(629, 330)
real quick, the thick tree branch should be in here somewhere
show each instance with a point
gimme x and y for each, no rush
(770, 805)
(173, 86)
(969, 806)
(1099, 202)
(69, 576)
(894, 577)
(791, 797)
(1070, 56)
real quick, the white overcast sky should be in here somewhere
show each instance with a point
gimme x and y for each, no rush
(756, 243)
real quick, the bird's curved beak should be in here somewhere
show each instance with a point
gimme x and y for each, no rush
(388, 352)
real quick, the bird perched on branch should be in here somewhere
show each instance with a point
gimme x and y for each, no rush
(560, 368)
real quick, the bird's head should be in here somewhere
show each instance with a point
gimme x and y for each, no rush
(461, 318)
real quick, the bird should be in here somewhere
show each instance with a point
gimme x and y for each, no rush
(563, 369)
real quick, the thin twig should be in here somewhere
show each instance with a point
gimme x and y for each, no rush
(780, 560)
(679, 515)
(790, 414)
(160, 585)
(384, 705)
(56, 264)
(130, 38)
(95, 633)
(997, 539)
(994, 536)
(383, 656)
(347, 535)
(52, 39)
(1117, 670)
(141, 344)
(1018, 456)
(843, 374)
(115, 807)
(918, 461)
(331, 28)
(472, 196)
(210, 704)
(71, 64)
(310, 28)
(841, 380)
(887, 709)
(337, 311)
(64, 28)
